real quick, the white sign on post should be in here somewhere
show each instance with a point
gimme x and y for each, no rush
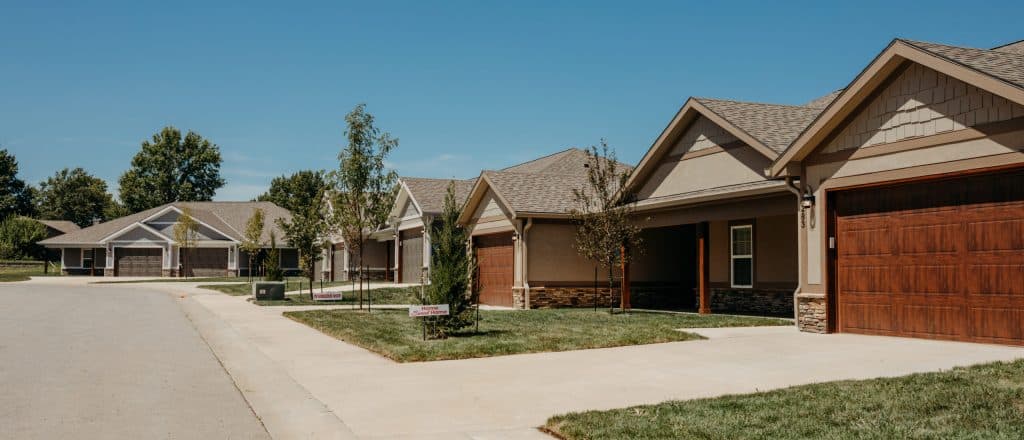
(327, 296)
(428, 310)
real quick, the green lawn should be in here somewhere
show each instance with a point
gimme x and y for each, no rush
(396, 336)
(383, 295)
(22, 273)
(980, 402)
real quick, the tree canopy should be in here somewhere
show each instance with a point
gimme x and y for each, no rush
(452, 269)
(171, 168)
(296, 191)
(363, 189)
(76, 196)
(18, 237)
(15, 195)
(307, 231)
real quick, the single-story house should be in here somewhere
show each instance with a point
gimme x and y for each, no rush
(400, 251)
(718, 235)
(142, 244)
(522, 237)
(912, 182)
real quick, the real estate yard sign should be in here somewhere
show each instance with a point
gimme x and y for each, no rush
(327, 296)
(428, 310)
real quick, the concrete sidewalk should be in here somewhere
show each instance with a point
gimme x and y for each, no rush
(507, 397)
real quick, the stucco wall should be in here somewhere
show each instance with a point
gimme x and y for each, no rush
(702, 134)
(553, 257)
(775, 249)
(718, 251)
(724, 168)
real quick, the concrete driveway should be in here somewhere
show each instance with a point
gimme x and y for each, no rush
(100, 362)
(508, 397)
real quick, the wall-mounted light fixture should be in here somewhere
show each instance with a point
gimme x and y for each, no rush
(807, 201)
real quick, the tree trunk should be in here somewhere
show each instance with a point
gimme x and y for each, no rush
(611, 286)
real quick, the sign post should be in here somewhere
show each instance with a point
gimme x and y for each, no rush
(424, 311)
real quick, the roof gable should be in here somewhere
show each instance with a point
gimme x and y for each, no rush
(997, 73)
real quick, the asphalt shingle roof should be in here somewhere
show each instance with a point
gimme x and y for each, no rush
(227, 217)
(1015, 47)
(774, 125)
(1007, 65)
(63, 226)
(537, 192)
(568, 161)
(430, 193)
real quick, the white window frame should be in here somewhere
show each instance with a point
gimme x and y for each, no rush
(733, 257)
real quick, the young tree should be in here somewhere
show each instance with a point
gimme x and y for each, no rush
(605, 232)
(15, 195)
(171, 169)
(273, 261)
(18, 238)
(252, 241)
(186, 233)
(76, 196)
(307, 232)
(452, 270)
(297, 191)
(363, 189)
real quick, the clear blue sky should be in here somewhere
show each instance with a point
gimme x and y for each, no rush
(464, 85)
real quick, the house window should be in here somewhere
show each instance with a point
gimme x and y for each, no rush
(741, 253)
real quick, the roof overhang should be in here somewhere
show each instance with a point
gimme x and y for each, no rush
(689, 112)
(706, 196)
(136, 225)
(875, 75)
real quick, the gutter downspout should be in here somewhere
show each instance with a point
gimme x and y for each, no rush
(526, 278)
(800, 268)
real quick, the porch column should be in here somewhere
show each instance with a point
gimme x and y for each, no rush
(702, 269)
(625, 279)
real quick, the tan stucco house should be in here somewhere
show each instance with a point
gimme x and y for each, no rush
(518, 218)
(912, 181)
(142, 244)
(718, 234)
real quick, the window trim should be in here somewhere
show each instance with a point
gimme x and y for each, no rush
(733, 257)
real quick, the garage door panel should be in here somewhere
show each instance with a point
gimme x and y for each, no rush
(996, 235)
(997, 324)
(138, 262)
(865, 279)
(956, 266)
(494, 255)
(930, 279)
(996, 279)
(931, 320)
(870, 316)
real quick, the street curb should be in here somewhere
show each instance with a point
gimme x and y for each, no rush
(287, 410)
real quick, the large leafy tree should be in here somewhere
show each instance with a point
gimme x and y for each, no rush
(171, 168)
(18, 238)
(451, 270)
(296, 191)
(605, 232)
(15, 195)
(363, 189)
(76, 196)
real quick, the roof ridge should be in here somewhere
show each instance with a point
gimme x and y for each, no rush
(917, 43)
(770, 104)
(542, 157)
(1007, 44)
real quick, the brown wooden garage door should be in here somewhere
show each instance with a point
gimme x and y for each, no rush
(494, 259)
(138, 262)
(940, 259)
(412, 256)
(205, 262)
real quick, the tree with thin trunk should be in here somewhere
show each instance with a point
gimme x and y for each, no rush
(252, 241)
(605, 232)
(307, 232)
(186, 233)
(363, 189)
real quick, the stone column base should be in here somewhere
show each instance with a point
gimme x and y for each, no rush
(812, 315)
(769, 302)
(108, 272)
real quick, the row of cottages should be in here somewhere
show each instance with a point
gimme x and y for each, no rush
(142, 244)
